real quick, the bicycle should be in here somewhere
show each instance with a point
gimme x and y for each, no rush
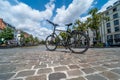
(76, 41)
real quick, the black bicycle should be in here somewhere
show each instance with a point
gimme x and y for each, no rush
(76, 41)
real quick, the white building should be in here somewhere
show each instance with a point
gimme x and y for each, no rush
(110, 29)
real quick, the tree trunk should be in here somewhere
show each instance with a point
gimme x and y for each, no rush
(97, 37)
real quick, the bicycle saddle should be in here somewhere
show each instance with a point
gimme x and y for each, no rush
(68, 24)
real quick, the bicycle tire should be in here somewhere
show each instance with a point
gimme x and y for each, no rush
(50, 44)
(81, 48)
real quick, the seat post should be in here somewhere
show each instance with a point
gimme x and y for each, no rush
(54, 29)
(67, 28)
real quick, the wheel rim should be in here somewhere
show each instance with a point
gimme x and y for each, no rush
(51, 43)
(79, 43)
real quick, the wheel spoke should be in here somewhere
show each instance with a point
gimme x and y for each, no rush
(79, 43)
(51, 43)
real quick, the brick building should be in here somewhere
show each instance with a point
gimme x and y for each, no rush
(2, 24)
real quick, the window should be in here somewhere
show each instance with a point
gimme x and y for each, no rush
(116, 22)
(117, 28)
(109, 37)
(107, 13)
(108, 30)
(116, 36)
(115, 16)
(108, 19)
(115, 9)
(108, 24)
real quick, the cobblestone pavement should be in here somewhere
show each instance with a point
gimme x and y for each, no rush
(36, 64)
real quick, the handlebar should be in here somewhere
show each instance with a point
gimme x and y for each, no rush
(52, 23)
(57, 24)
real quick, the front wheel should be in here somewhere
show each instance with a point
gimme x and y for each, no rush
(78, 43)
(51, 43)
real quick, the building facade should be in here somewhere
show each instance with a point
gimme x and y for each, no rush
(3, 25)
(17, 33)
(109, 29)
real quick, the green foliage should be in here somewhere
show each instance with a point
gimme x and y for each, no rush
(7, 33)
(81, 26)
(42, 42)
(27, 40)
(31, 40)
(63, 35)
(99, 45)
(36, 40)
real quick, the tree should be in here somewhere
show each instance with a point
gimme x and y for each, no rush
(22, 39)
(36, 40)
(27, 40)
(31, 39)
(95, 21)
(42, 42)
(7, 33)
(81, 26)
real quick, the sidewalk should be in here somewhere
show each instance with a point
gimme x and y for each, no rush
(60, 65)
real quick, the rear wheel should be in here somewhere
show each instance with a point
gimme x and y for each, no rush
(78, 43)
(51, 43)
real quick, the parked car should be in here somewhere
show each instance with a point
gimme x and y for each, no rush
(12, 43)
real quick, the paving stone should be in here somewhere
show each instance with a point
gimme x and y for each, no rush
(6, 76)
(56, 76)
(56, 62)
(40, 77)
(46, 62)
(7, 68)
(84, 65)
(100, 68)
(22, 66)
(95, 63)
(25, 73)
(73, 66)
(66, 62)
(61, 68)
(74, 73)
(88, 70)
(40, 66)
(53, 65)
(78, 78)
(110, 75)
(46, 70)
(116, 71)
(112, 65)
(17, 79)
(95, 77)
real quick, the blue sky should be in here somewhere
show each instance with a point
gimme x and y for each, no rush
(40, 4)
(30, 15)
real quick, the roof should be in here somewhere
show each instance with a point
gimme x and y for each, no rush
(112, 6)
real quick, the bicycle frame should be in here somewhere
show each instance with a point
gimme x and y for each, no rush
(64, 43)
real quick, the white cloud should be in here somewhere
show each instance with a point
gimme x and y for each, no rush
(24, 17)
(74, 10)
(84, 18)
